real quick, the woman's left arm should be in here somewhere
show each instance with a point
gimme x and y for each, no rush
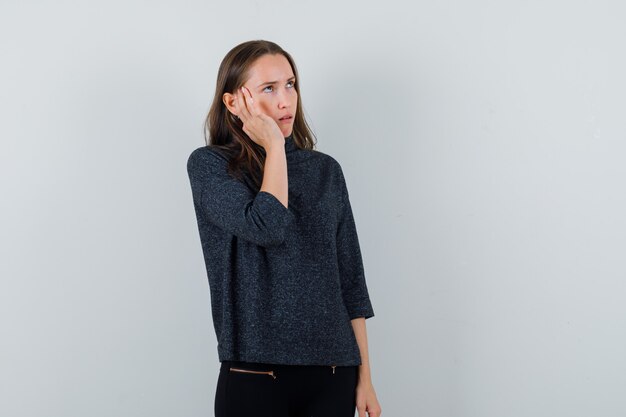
(365, 395)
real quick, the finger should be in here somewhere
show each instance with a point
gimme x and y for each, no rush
(241, 106)
(245, 103)
(251, 105)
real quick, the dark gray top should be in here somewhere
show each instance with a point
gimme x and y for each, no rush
(284, 282)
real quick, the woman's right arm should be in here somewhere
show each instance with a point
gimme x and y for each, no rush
(275, 172)
(263, 130)
(229, 204)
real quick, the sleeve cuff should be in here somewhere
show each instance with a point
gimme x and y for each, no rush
(364, 310)
(275, 212)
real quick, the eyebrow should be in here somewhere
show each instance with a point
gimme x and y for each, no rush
(275, 82)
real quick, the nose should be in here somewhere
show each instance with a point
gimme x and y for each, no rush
(284, 99)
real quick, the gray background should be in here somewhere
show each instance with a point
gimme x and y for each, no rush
(483, 146)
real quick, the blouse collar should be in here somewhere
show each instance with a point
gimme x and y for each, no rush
(290, 144)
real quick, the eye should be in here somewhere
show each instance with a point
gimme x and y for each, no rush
(290, 82)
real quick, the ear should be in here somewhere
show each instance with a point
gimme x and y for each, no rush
(230, 101)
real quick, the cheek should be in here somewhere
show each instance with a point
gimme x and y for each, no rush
(263, 105)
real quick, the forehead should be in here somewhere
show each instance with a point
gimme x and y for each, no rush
(270, 68)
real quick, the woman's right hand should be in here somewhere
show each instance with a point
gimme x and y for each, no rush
(261, 128)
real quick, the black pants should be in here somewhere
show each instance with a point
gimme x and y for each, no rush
(247, 389)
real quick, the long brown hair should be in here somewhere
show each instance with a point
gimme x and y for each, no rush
(224, 130)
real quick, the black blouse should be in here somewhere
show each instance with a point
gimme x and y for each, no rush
(284, 282)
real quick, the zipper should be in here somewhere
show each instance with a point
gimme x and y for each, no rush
(270, 373)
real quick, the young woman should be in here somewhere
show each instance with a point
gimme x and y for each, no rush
(288, 293)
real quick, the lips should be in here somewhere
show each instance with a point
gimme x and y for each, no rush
(286, 117)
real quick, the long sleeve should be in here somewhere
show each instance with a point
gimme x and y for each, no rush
(227, 203)
(353, 285)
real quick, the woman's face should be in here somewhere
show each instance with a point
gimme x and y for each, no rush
(272, 85)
